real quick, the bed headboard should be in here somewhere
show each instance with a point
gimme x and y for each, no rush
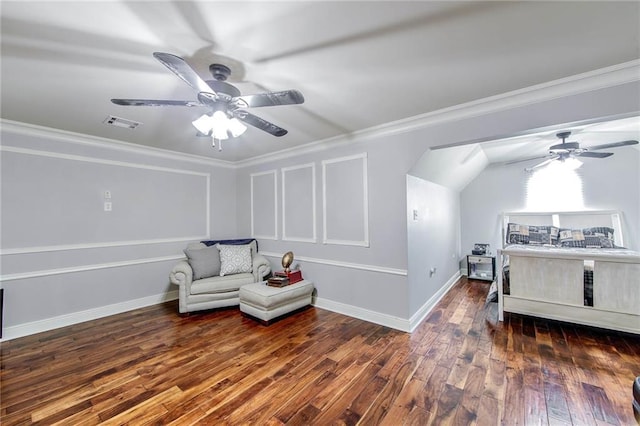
(584, 219)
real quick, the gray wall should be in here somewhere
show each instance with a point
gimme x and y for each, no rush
(64, 258)
(433, 237)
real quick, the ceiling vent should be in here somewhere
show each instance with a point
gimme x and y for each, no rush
(121, 122)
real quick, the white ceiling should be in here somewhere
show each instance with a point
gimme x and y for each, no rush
(359, 64)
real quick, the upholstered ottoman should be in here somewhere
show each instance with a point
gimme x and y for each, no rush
(266, 303)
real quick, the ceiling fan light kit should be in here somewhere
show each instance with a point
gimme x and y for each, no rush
(226, 103)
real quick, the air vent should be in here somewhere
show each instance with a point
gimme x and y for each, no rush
(121, 122)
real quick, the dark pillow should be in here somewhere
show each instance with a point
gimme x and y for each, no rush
(572, 238)
(599, 236)
(532, 234)
(204, 261)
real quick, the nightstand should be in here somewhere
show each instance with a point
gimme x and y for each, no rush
(481, 267)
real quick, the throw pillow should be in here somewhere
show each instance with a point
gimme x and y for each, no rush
(234, 259)
(205, 261)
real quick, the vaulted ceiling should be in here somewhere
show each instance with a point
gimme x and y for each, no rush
(359, 64)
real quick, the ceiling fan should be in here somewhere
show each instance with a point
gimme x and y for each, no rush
(566, 150)
(218, 95)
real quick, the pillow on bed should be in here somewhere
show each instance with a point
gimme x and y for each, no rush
(572, 238)
(517, 234)
(599, 237)
(532, 234)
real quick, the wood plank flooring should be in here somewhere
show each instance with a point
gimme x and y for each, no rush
(460, 367)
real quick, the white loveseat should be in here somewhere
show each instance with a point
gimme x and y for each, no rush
(213, 272)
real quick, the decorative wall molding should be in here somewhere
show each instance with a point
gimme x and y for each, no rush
(84, 268)
(111, 144)
(341, 264)
(255, 213)
(365, 206)
(85, 159)
(615, 75)
(47, 324)
(68, 247)
(284, 171)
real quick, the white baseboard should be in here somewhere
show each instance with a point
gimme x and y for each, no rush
(421, 314)
(34, 327)
(363, 314)
(390, 321)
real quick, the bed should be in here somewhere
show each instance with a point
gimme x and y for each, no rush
(569, 266)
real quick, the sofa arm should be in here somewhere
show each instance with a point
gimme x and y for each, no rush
(261, 267)
(181, 274)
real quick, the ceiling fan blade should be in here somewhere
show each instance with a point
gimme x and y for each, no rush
(285, 97)
(179, 67)
(260, 123)
(613, 145)
(593, 154)
(155, 102)
(525, 159)
(544, 163)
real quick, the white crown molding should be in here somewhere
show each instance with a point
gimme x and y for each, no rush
(341, 264)
(17, 127)
(611, 76)
(13, 332)
(85, 268)
(615, 75)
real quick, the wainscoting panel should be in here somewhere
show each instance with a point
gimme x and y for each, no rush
(53, 199)
(299, 203)
(345, 201)
(264, 207)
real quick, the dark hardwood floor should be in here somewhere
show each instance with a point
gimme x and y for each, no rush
(460, 366)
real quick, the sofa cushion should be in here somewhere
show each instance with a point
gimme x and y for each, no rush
(221, 284)
(204, 261)
(234, 259)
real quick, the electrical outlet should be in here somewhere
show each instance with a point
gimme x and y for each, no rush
(107, 195)
(108, 206)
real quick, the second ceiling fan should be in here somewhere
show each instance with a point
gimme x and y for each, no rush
(566, 150)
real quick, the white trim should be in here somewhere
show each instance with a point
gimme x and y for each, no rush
(283, 171)
(273, 172)
(626, 72)
(17, 127)
(341, 264)
(428, 306)
(84, 268)
(365, 196)
(47, 324)
(65, 247)
(363, 314)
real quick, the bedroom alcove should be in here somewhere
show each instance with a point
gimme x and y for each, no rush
(456, 195)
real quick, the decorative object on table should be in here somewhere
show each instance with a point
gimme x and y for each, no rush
(287, 260)
(293, 276)
(278, 281)
(480, 249)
